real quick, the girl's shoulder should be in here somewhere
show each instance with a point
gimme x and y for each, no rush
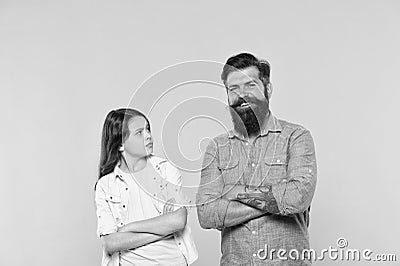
(105, 180)
(166, 169)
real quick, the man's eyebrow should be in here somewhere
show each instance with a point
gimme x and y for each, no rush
(251, 81)
(234, 85)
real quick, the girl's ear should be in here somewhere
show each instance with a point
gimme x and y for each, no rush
(269, 90)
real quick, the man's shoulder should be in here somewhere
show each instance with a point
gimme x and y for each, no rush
(221, 137)
(221, 140)
(290, 127)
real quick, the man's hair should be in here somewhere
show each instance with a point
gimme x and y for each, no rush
(245, 60)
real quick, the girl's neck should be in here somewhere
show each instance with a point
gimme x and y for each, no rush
(134, 164)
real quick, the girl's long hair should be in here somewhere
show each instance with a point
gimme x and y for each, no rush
(115, 132)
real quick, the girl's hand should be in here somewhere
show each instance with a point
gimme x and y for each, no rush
(121, 229)
(169, 206)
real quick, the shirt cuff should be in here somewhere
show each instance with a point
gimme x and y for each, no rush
(222, 209)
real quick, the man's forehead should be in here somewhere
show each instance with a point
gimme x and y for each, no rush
(243, 75)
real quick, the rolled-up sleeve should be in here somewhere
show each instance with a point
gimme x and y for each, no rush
(294, 194)
(211, 206)
(174, 187)
(105, 220)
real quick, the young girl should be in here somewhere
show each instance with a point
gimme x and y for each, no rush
(137, 198)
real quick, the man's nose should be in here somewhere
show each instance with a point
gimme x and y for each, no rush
(243, 91)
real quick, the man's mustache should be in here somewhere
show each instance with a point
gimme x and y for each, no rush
(241, 101)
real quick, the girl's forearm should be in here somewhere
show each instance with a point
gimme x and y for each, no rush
(164, 224)
(127, 240)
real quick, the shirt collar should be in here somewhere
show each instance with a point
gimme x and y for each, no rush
(270, 124)
(155, 162)
(118, 173)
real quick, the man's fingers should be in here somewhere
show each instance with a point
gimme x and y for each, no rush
(257, 195)
(242, 195)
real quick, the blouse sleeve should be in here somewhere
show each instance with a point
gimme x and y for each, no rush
(105, 220)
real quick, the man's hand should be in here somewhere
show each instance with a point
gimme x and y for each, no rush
(231, 191)
(260, 198)
(255, 199)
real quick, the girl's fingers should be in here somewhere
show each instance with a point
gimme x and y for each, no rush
(169, 206)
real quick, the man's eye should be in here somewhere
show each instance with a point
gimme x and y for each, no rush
(253, 85)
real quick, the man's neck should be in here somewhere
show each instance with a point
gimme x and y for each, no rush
(263, 123)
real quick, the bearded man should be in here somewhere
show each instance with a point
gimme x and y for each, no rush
(258, 179)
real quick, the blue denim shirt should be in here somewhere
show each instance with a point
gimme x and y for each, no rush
(282, 158)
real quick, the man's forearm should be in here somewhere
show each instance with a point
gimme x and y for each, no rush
(238, 213)
(226, 211)
(261, 198)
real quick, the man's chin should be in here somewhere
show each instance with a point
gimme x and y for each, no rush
(245, 122)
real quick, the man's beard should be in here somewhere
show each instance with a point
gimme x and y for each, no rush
(248, 121)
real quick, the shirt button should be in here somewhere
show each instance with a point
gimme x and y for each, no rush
(254, 254)
(253, 164)
(309, 170)
(278, 161)
(283, 180)
(126, 188)
(123, 206)
(254, 232)
(247, 144)
(179, 243)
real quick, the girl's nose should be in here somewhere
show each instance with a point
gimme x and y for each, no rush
(148, 136)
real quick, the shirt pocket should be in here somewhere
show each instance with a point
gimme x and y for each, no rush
(115, 204)
(230, 171)
(275, 169)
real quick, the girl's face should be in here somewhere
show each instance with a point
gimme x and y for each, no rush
(140, 142)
